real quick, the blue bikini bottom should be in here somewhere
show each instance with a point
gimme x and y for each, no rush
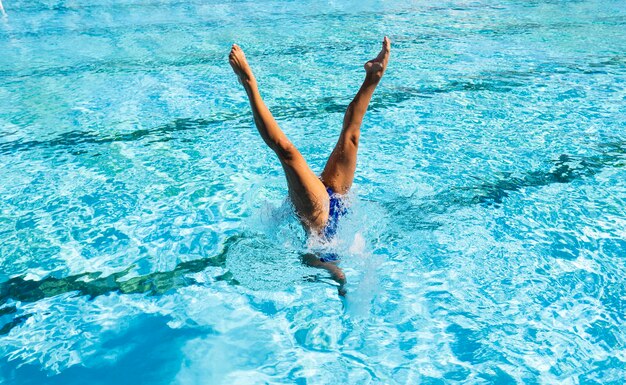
(329, 257)
(336, 210)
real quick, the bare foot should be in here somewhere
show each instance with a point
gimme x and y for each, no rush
(240, 65)
(377, 66)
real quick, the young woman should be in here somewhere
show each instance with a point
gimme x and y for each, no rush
(317, 201)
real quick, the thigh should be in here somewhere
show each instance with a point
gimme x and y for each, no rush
(339, 171)
(308, 194)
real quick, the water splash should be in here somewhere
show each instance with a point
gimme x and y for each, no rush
(358, 302)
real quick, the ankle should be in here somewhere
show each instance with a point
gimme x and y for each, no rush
(248, 81)
(373, 78)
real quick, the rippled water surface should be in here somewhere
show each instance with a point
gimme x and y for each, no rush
(145, 236)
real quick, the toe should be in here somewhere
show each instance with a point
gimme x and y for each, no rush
(386, 43)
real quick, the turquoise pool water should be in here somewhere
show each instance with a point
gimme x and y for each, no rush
(144, 232)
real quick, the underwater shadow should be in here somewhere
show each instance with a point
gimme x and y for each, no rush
(149, 352)
(77, 138)
(565, 169)
(93, 285)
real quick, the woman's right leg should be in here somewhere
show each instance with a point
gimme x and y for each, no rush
(306, 191)
(339, 171)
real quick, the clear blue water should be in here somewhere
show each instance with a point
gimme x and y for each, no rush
(144, 232)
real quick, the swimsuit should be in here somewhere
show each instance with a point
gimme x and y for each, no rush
(335, 211)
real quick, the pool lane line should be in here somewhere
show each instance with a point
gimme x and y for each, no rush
(93, 285)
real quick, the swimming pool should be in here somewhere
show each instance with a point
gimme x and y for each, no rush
(145, 237)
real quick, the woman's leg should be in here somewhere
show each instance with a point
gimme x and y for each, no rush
(339, 171)
(306, 191)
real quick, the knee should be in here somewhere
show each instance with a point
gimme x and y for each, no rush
(350, 138)
(285, 149)
(353, 138)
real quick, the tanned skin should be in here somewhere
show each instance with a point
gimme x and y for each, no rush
(306, 190)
